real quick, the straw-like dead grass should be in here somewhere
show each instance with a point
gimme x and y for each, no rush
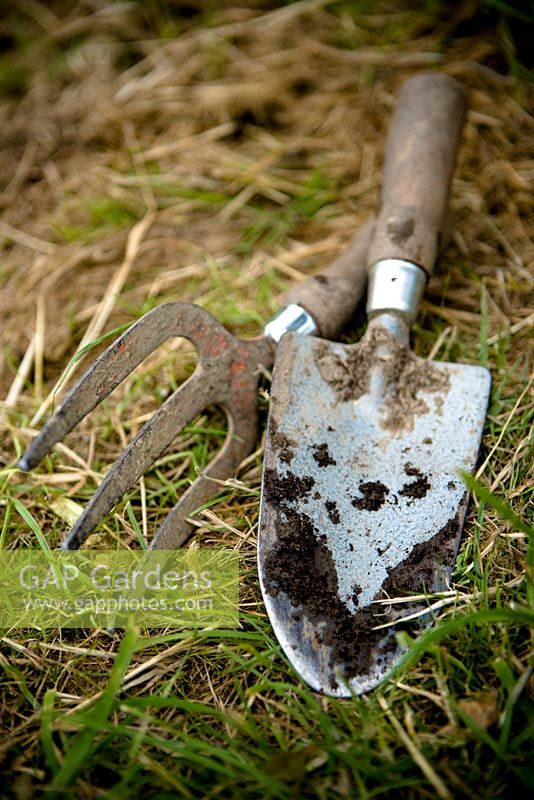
(217, 165)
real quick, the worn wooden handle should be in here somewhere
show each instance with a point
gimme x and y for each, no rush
(420, 156)
(331, 296)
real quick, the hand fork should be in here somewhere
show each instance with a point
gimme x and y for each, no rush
(227, 375)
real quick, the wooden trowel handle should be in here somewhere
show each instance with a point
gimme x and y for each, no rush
(420, 155)
(331, 296)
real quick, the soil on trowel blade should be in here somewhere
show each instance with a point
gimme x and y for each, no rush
(404, 376)
(285, 445)
(322, 455)
(286, 487)
(333, 512)
(418, 488)
(427, 566)
(300, 565)
(374, 496)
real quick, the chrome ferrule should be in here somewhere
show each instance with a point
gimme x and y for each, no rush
(395, 286)
(291, 318)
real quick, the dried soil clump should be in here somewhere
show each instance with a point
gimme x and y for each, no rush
(285, 446)
(418, 488)
(427, 566)
(404, 374)
(322, 455)
(374, 496)
(333, 512)
(286, 487)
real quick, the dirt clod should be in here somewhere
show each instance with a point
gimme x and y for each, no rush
(418, 488)
(280, 488)
(357, 590)
(322, 455)
(404, 376)
(333, 512)
(425, 567)
(374, 496)
(286, 447)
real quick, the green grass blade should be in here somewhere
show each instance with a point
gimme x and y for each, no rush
(517, 616)
(47, 741)
(495, 502)
(84, 744)
(32, 524)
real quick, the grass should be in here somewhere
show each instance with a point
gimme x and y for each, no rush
(251, 153)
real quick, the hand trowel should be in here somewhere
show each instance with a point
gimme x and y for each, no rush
(362, 499)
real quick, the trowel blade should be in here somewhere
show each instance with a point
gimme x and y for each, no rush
(361, 499)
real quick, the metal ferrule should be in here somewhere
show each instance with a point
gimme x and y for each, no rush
(291, 318)
(395, 286)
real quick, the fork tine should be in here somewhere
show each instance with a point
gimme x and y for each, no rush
(174, 530)
(114, 365)
(151, 441)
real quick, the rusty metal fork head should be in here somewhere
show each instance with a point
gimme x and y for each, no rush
(226, 375)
